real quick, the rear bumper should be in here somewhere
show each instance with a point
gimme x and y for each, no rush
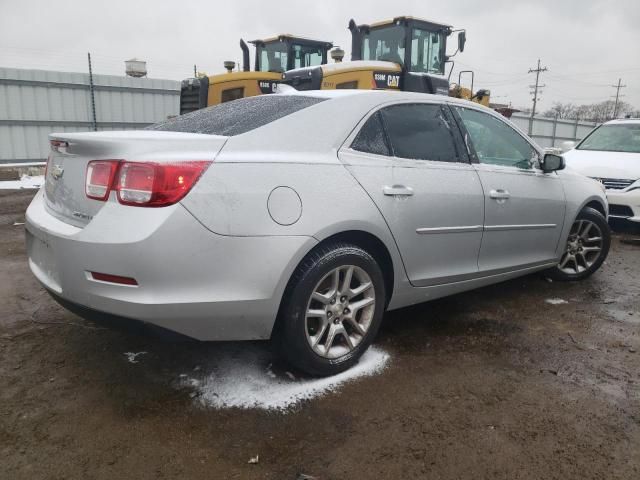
(618, 200)
(190, 280)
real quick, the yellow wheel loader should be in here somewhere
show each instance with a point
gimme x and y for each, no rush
(405, 53)
(273, 57)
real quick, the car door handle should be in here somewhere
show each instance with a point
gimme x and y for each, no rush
(500, 194)
(398, 190)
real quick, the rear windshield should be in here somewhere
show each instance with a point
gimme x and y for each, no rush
(238, 116)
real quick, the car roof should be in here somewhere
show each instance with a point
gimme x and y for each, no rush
(623, 121)
(381, 96)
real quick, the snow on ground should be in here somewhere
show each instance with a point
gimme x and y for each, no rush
(555, 301)
(132, 356)
(243, 377)
(25, 182)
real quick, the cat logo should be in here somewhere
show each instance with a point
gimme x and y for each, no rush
(386, 80)
(393, 81)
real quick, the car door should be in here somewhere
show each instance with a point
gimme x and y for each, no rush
(410, 159)
(524, 207)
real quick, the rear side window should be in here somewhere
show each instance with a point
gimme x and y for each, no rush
(238, 116)
(420, 132)
(371, 137)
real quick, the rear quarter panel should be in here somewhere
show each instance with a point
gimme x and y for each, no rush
(232, 199)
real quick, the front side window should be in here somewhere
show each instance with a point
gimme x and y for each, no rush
(420, 131)
(273, 57)
(622, 137)
(306, 56)
(427, 51)
(495, 142)
(385, 44)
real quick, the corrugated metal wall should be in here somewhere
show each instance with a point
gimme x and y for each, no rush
(34, 103)
(550, 132)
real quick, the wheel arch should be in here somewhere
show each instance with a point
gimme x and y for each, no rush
(596, 205)
(370, 242)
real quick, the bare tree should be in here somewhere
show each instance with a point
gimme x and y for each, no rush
(596, 112)
(561, 110)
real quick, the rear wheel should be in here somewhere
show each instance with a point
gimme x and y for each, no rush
(332, 310)
(587, 247)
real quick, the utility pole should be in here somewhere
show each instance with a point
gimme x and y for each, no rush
(617, 87)
(94, 123)
(537, 86)
(195, 71)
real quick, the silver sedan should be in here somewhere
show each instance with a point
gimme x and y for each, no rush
(302, 217)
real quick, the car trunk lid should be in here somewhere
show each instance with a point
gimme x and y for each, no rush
(64, 188)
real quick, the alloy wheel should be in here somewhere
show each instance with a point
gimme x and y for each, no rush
(340, 311)
(584, 247)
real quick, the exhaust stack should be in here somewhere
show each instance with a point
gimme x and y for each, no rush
(245, 56)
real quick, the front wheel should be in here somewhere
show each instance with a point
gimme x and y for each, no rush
(586, 248)
(332, 310)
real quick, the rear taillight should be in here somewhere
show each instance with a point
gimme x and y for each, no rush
(143, 184)
(157, 184)
(99, 178)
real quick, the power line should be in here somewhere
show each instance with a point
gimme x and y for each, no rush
(537, 86)
(617, 87)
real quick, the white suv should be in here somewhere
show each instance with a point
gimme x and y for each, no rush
(611, 154)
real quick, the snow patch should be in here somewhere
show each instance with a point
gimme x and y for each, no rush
(244, 378)
(25, 182)
(555, 301)
(131, 356)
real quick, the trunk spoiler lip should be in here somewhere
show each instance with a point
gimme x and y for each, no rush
(123, 135)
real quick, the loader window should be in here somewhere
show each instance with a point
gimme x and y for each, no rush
(427, 52)
(273, 57)
(306, 56)
(386, 44)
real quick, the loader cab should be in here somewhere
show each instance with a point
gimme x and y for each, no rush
(273, 57)
(286, 52)
(418, 47)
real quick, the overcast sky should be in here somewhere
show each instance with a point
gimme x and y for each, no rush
(586, 45)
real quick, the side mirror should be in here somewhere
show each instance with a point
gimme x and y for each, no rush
(462, 39)
(551, 163)
(567, 145)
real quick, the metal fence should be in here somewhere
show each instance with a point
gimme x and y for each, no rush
(551, 132)
(34, 103)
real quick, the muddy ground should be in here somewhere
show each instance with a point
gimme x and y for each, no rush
(494, 384)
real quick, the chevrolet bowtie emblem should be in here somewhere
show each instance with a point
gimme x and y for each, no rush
(57, 172)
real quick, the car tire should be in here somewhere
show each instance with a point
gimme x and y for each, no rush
(580, 259)
(326, 344)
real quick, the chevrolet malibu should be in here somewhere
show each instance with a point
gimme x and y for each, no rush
(302, 217)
